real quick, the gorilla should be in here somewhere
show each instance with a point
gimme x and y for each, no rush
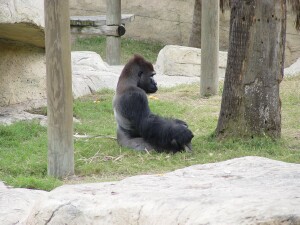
(137, 127)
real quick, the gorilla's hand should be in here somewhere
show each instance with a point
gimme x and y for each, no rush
(182, 137)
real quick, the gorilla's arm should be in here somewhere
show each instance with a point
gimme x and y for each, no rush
(166, 134)
(133, 105)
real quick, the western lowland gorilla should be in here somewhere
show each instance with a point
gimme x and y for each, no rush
(138, 127)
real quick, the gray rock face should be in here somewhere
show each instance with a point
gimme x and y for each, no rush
(293, 69)
(91, 73)
(23, 21)
(174, 60)
(22, 42)
(22, 73)
(249, 190)
(16, 204)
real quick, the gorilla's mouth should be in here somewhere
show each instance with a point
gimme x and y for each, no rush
(152, 90)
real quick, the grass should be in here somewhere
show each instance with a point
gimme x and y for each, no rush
(23, 145)
(128, 47)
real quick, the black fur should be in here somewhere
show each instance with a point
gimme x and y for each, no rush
(138, 128)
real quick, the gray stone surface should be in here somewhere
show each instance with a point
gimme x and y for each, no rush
(22, 73)
(293, 69)
(91, 73)
(16, 204)
(174, 60)
(23, 20)
(10, 115)
(22, 42)
(249, 190)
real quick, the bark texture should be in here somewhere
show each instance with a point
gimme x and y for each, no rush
(250, 103)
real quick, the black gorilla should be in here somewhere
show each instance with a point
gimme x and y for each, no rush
(137, 127)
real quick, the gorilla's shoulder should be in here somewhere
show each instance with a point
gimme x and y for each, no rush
(134, 95)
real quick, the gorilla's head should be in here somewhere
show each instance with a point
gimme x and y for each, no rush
(138, 72)
(145, 74)
(147, 82)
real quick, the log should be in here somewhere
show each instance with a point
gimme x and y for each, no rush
(97, 20)
(116, 31)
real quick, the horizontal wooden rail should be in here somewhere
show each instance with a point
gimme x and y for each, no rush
(116, 31)
(96, 25)
(95, 21)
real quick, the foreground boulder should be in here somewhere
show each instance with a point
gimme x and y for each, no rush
(249, 190)
(16, 203)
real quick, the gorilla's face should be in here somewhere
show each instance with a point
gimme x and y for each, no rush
(147, 82)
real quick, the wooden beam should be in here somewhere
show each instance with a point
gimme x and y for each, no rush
(113, 44)
(116, 31)
(59, 88)
(209, 48)
(97, 20)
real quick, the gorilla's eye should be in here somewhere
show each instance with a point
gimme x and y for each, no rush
(140, 73)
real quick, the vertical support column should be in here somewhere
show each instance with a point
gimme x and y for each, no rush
(59, 88)
(209, 48)
(113, 44)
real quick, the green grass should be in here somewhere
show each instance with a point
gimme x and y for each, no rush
(23, 145)
(128, 47)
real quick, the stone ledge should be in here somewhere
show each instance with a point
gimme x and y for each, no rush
(23, 32)
(23, 21)
(249, 190)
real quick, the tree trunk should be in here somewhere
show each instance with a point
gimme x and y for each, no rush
(195, 38)
(209, 78)
(250, 103)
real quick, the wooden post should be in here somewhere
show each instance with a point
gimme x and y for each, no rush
(113, 44)
(209, 47)
(59, 88)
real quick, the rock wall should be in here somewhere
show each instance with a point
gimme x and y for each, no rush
(170, 22)
(22, 55)
(23, 73)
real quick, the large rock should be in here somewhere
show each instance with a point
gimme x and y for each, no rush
(174, 60)
(249, 190)
(23, 21)
(91, 73)
(293, 69)
(16, 203)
